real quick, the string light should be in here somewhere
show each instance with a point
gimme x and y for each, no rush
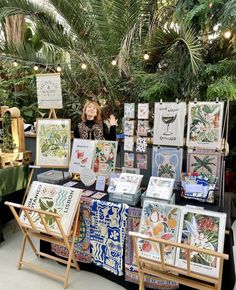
(15, 63)
(114, 62)
(210, 5)
(36, 68)
(83, 66)
(58, 68)
(227, 34)
(146, 56)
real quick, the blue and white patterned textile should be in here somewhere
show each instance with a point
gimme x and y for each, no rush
(107, 234)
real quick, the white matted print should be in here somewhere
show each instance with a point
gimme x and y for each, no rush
(142, 127)
(129, 110)
(53, 142)
(82, 155)
(158, 221)
(49, 91)
(205, 124)
(129, 143)
(143, 111)
(55, 199)
(105, 157)
(205, 230)
(169, 123)
(129, 159)
(159, 187)
(129, 128)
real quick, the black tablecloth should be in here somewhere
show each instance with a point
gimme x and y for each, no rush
(228, 280)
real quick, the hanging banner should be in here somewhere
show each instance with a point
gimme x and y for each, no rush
(49, 91)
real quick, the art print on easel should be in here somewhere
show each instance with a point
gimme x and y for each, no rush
(53, 142)
(49, 91)
(167, 162)
(82, 155)
(169, 124)
(129, 110)
(205, 124)
(158, 221)
(52, 198)
(205, 230)
(105, 157)
(205, 161)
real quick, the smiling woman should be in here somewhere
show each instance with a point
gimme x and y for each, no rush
(92, 126)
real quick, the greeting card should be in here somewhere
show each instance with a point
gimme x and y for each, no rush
(143, 111)
(129, 110)
(143, 127)
(141, 145)
(129, 143)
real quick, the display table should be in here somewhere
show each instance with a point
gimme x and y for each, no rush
(228, 271)
(13, 180)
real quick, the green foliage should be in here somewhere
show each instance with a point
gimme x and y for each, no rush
(223, 88)
(7, 140)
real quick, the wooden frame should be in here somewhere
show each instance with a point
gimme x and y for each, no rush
(171, 272)
(31, 230)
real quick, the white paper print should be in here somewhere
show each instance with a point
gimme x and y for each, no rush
(159, 187)
(205, 124)
(169, 124)
(129, 143)
(49, 91)
(82, 155)
(143, 111)
(129, 110)
(129, 159)
(141, 145)
(129, 128)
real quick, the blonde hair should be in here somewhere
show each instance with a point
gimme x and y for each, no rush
(98, 117)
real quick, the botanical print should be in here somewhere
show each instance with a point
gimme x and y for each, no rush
(143, 111)
(108, 231)
(205, 162)
(205, 124)
(159, 187)
(131, 269)
(143, 127)
(167, 162)
(169, 124)
(49, 91)
(82, 155)
(141, 145)
(205, 230)
(141, 161)
(129, 143)
(159, 221)
(52, 199)
(129, 110)
(82, 238)
(53, 142)
(129, 128)
(105, 157)
(128, 159)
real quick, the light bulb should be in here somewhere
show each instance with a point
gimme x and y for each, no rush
(227, 34)
(15, 63)
(83, 66)
(146, 55)
(210, 5)
(36, 68)
(113, 62)
(58, 68)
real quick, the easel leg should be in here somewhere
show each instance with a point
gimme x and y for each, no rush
(28, 185)
(141, 282)
(22, 252)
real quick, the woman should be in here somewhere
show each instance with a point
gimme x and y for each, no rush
(92, 126)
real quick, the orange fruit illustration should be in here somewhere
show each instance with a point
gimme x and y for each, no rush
(158, 229)
(171, 223)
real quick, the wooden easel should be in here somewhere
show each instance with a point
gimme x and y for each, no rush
(172, 272)
(46, 234)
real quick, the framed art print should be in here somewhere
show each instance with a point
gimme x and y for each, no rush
(203, 229)
(205, 124)
(129, 143)
(129, 127)
(169, 124)
(53, 143)
(128, 159)
(82, 155)
(142, 127)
